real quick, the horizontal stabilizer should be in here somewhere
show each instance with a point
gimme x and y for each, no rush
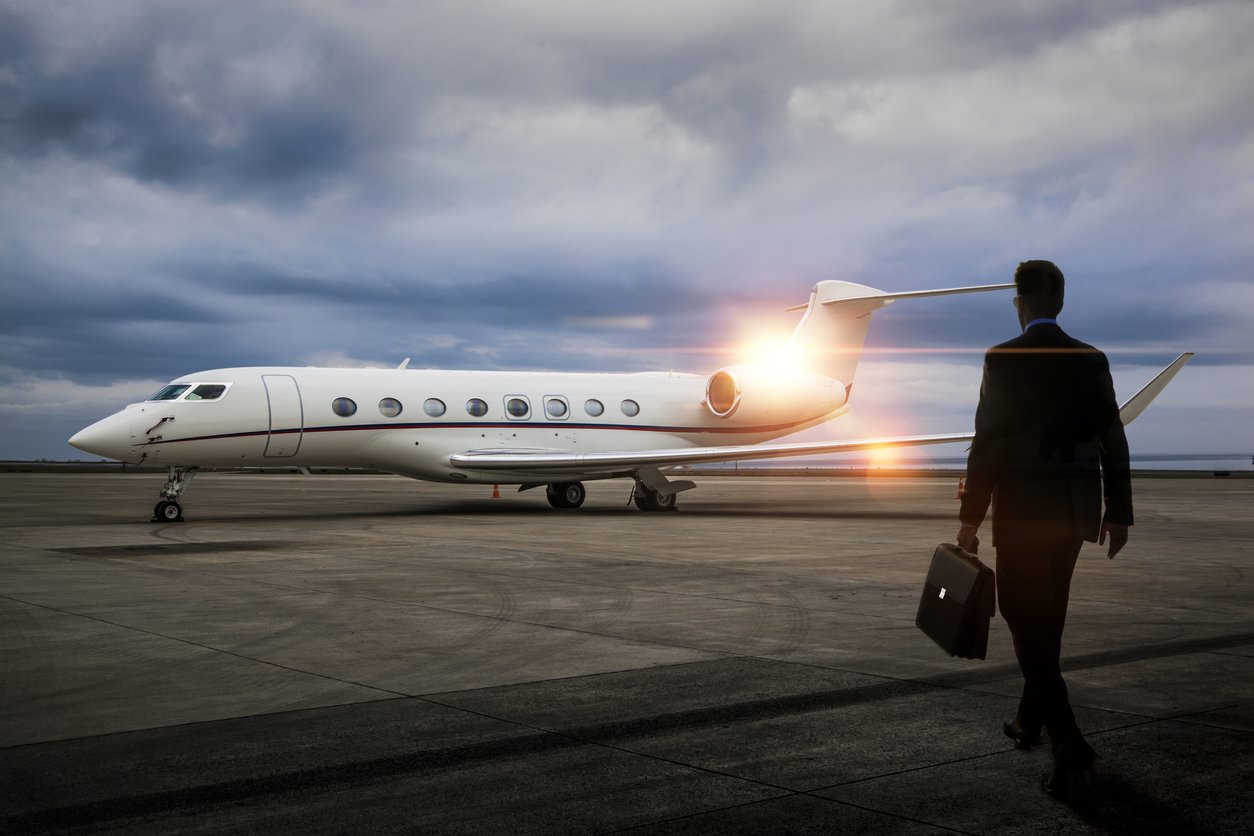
(1136, 404)
(878, 299)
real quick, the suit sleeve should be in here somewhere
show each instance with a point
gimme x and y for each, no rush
(1113, 443)
(984, 458)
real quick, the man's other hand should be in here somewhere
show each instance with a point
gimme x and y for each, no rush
(967, 540)
(1118, 537)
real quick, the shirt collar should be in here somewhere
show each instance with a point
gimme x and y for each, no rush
(1042, 321)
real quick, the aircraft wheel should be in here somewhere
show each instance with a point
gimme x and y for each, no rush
(566, 494)
(649, 500)
(167, 511)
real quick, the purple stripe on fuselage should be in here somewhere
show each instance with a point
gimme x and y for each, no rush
(487, 426)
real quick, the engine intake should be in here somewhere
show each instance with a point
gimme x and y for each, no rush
(722, 393)
(754, 395)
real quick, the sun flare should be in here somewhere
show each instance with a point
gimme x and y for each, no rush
(885, 457)
(776, 354)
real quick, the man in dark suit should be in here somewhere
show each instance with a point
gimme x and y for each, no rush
(1048, 448)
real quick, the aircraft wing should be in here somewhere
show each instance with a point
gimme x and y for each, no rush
(542, 461)
(610, 462)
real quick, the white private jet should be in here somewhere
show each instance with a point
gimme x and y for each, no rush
(529, 429)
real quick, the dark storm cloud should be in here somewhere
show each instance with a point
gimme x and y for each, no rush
(1020, 27)
(156, 104)
(191, 316)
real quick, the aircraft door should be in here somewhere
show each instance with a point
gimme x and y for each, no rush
(287, 416)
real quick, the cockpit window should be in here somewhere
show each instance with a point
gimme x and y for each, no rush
(206, 392)
(169, 393)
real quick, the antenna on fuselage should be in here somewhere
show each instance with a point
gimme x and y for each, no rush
(404, 364)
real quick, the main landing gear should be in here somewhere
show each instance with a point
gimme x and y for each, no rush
(168, 509)
(566, 494)
(647, 499)
(654, 492)
(572, 494)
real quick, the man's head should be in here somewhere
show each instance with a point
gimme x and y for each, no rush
(1039, 287)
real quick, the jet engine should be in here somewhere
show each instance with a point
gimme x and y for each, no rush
(763, 395)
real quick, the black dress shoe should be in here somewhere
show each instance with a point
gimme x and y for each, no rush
(1072, 760)
(1063, 785)
(1023, 738)
(1072, 787)
(1073, 755)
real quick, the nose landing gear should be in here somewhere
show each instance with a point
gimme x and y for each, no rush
(169, 509)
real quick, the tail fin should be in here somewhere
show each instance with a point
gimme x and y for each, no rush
(834, 326)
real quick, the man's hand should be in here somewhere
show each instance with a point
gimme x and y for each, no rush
(967, 541)
(1118, 537)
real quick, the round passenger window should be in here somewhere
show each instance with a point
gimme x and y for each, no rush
(630, 408)
(517, 407)
(343, 407)
(433, 407)
(555, 408)
(593, 407)
(390, 407)
(477, 407)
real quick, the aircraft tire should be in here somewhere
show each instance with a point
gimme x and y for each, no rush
(167, 511)
(648, 500)
(566, 494)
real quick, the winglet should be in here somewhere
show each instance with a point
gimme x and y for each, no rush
(1136, 404)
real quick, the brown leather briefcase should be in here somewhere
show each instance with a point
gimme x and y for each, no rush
(958, 601)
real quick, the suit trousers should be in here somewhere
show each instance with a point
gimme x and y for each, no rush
(1035, 562)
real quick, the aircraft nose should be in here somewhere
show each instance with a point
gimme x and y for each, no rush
(109, 437)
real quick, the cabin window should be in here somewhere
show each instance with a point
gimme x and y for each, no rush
(433, 407)
(630, 408)
(207, 392)
(556, 407)
(344, 407)
(169, 393)
(518, 407)
(593, 407)
(390, 407)
(477, 407)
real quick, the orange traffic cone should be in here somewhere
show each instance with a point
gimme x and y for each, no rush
(496, 491)
(962, 487)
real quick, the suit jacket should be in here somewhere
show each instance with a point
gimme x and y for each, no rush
(1047, 431)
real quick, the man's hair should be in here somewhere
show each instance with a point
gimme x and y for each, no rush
(1041, 284)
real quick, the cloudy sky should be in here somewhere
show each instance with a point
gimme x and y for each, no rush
(591, 186)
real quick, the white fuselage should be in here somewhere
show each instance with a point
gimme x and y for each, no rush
(302, 417)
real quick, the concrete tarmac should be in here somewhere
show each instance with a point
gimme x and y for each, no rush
(331, 654)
